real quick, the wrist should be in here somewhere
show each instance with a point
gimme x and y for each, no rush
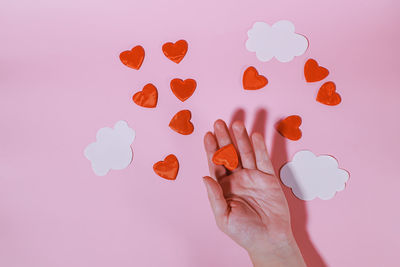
(283, 254)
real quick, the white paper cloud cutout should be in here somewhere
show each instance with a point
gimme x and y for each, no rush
(310, 176)
(279, 41)
(112, 149)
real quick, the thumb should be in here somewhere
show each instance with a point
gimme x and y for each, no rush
(216, 198)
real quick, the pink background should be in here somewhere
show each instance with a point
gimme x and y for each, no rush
(61, 81)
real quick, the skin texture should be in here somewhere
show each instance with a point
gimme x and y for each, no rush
(248, 203)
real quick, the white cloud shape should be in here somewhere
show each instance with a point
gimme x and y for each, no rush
(112, 149)
(312, 176)
(279, 41)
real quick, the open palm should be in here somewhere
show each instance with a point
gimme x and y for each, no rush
(248, 203)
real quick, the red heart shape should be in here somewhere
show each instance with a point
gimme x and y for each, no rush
(167, 168)
(183, 89)
(327, 94)
(147, 97)
(226, 156)
(289, 127)
(313, 72)
(133, 58)
(180, 123)
(175, 51)
(252, 80)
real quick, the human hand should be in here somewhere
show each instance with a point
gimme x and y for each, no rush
(248, 203)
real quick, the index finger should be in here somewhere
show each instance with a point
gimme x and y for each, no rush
(211, 146)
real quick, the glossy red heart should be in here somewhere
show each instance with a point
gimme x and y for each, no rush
(167, 168)
(313, 72)
(252, 80)
(133, 58)
(327, 94)
(147, 97)
(183, 89)
(180, 123)
(175, 51)
(226, 156)
(289, 127)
